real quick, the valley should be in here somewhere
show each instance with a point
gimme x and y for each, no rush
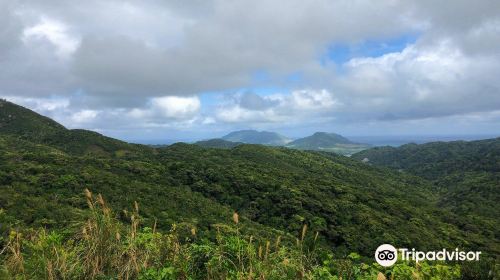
(437, 195)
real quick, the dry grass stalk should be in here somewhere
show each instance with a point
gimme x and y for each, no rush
(278, 241)
(235, 218)
(16, 260)
(381, 276)
(304, 231)
(268, 244)
(88, 195)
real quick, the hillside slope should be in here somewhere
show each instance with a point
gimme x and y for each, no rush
(25, 124)
(320, 139)
(217, 143)
(467, 175)
(437, 159)
(17, 120)
(353, 206)
(256, 137)
(331, 142)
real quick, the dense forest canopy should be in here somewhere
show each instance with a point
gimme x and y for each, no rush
(465, 174)
(353, 206)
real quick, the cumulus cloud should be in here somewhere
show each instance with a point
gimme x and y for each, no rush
(42, 105)
(124, 49)
(169, 107)
(84, 116)
(98, 61)
(421, 81)
(277, 107)
(252, 101)
(309, 100)
(55, 32)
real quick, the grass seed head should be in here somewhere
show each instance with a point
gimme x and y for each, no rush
(304, 231)
(236, 218)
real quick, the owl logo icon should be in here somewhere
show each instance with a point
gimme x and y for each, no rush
(386, 255)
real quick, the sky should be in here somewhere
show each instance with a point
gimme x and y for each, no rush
(155, 71)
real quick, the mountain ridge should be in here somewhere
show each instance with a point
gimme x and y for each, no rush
(353, 206)
(24, 123)
(319, 141)
(250, 136)
(217, 143)
(465, 173)
(323, 141)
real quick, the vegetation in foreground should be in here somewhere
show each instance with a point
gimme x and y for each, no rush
(101, 247)
(347, 205)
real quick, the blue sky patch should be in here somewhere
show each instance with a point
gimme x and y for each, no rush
(342, 53)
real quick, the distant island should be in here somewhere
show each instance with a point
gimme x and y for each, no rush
(257, 137)
(319, 141)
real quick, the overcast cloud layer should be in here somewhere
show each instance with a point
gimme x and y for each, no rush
(176, 69)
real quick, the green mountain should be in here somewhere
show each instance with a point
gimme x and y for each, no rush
(353, 207)
(319, 140)
(322, 141)
(437, 159)
(17, 120)
(217, 143)
(466, 175)
(25, 124)
(257, 137)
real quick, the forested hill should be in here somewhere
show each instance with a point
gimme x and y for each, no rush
(256, 137)
(319, 140)
(217, 143)
(353, 206)
(328, 142)
(467, 175)
(438, 159)
(17, 120)
(25, 124)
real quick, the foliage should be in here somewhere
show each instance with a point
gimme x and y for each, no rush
(104, 248)
(328, 142)
(465, 174)
(348, 205)
(217, 143)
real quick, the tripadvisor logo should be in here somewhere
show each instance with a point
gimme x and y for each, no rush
(387, 255)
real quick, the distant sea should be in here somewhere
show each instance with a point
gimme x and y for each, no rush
(378, 140)
(398, 140)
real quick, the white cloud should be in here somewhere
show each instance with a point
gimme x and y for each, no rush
(237, 114)
(280, 107)
(310, 100)
(420, 81)
(176, 107)
(169, 107)
(55, 32)
(84, 116)
(141, 64)
(42, 105)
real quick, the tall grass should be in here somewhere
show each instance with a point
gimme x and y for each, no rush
(105, 248)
